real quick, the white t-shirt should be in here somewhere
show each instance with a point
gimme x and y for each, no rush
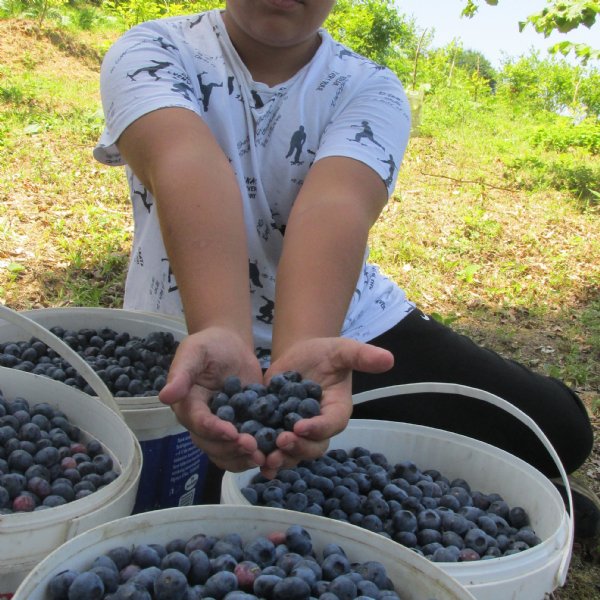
(340, 104)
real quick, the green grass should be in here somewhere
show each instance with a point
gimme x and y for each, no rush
(483, 223)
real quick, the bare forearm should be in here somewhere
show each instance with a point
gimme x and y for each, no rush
(324, 247)
(200, 213)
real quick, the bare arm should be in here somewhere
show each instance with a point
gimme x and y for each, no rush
(174, 154)
(324, 246)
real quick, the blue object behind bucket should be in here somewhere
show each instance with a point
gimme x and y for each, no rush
(173, 473)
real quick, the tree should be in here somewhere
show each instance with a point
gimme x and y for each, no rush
(559, 15)
(375, 29)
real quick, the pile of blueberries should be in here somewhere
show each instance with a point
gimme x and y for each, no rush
(128, 365)
(440, 519)
(265, 411)
(44, 460)
(280, 566)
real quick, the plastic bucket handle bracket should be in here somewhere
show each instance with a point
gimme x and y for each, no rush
(455, 388)
(54, 342)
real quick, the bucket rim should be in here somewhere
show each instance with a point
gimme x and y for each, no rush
(269, 517)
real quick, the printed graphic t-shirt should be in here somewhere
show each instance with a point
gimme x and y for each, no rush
(339, 104)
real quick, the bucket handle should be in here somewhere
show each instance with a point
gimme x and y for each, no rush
(463, 390)
(54, 342)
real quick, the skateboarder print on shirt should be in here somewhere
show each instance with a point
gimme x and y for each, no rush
(266, 311)
(393, 166)
(366, 132)
(152, 70)
(296, 144)
(206, 90)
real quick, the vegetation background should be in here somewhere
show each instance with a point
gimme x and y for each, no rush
(493, 228)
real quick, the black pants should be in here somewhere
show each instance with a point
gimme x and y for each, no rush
(426, 350)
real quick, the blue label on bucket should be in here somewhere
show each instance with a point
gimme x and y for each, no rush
(173, 473)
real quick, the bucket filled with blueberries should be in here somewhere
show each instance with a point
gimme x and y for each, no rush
(235, 552)
(130, 351)
(487, 518)
(68, 462)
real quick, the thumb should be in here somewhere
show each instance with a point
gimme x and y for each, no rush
(185, 368)
(367, 358)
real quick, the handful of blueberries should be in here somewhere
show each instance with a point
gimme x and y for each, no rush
(128, 365)
(442, 519)
(265, 411)
(44, 460)
(280, 566)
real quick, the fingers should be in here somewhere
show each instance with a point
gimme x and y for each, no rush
(185, 369)
(358, 356)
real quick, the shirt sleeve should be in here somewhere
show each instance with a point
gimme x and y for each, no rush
(145, 70)
(372, 126)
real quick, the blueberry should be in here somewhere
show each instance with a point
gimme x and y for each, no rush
(517, 517)
(200, 541)
(47, 456)
(5, 501)
(276, 383)
(200, 567)
(226, 413)
(290, 405)
(24, 502)
(500, 508)
(265, 439)
(263, 407)
(449, 538)
(246, 572)
(428, 536)
(170, 584)
(429, 519)
(105, 561)
(528, 536)
(144, 555)
(109, 577)
(298, 540)
(19, 460)
(53, 500)
(309, 407)
(343, 587)
(86, 585)
(290, 420)
(313, 389)
(232, 385)
(405, 521)
(449, 501)
(297, 501)
(58, 586)
(261, 551)
(291, 588)
(407, 470)
(477, 540)
(131, 590)
(176, 560)
(335, 564)
(64, 488)
(264, 584)
(220, 584)
(146, 577)
(406, 538)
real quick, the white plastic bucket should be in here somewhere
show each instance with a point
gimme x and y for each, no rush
(414, 576)
(174, 468)
(27, 538)
(529, 575)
